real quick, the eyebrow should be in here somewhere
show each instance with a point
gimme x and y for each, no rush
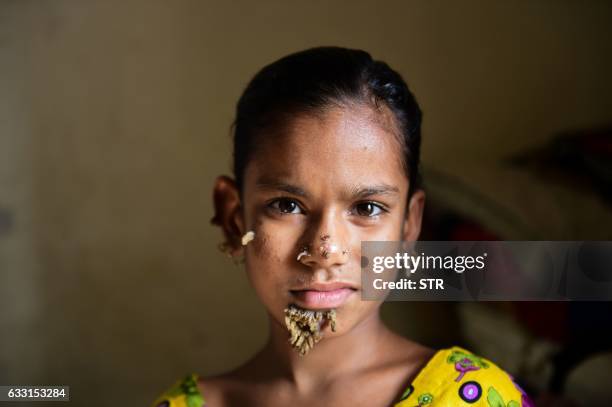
(361, 192)
(357, 192)
(281, 186)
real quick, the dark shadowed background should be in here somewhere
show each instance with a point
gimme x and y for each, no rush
(114, 122)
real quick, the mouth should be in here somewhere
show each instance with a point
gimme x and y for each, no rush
(323, 296)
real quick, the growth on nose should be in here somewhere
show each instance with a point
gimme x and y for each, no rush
(326, 247)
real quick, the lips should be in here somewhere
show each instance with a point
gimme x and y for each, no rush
(323, 296)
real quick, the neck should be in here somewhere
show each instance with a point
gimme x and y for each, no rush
(329, 359)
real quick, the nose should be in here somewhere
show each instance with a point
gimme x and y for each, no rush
(326, 246)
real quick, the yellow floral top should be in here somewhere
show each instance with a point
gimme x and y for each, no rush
(452, 377)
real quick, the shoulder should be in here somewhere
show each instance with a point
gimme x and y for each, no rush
(400, 351)
(183, 393)
(456, 376)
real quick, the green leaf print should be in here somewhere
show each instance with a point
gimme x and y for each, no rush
(495, 399)
(189, 387)
(195, 400)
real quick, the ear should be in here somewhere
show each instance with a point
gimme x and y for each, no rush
(414, 216)
(228, 212)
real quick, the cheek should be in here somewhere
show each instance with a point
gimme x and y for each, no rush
(275, 241)
(389, 229)
(266, 264)
(394, 229)
(269, 246)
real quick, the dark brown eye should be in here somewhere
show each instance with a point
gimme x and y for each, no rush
(284, 205)
(368, 209)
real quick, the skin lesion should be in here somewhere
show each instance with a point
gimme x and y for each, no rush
(305, 327)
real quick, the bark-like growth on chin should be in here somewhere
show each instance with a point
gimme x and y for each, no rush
(305, 327)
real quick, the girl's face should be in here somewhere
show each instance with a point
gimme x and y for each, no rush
(334, 179)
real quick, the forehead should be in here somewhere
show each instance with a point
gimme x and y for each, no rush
(342, 147)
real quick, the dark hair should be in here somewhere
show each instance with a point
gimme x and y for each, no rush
(312, 80)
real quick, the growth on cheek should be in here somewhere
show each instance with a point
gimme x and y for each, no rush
(248, 237)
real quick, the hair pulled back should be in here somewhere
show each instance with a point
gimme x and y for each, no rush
(315, 79)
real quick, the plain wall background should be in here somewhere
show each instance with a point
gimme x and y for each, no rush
(114, 122)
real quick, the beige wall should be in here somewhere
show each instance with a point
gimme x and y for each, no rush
(115, 120)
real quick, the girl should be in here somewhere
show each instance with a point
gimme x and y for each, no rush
(326, 155)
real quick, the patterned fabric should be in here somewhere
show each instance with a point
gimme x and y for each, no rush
(184, 393)
(456, 377)
(453, 377)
